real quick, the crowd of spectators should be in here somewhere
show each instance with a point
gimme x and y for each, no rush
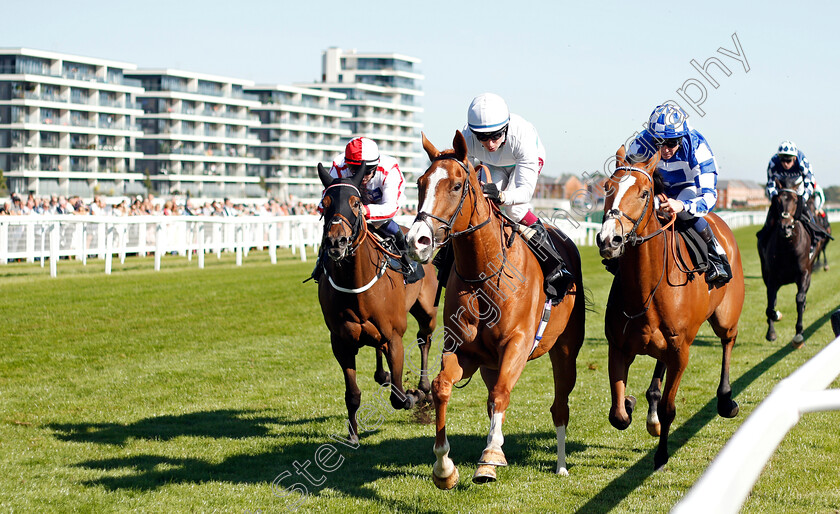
(149, 205)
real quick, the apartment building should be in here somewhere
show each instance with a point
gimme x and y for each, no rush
(196, 136)
(382, 93)
(67, 124)
(299, 127)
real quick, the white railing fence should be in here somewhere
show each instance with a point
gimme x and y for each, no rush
(50, 238)
(728, 480)
(40, 238)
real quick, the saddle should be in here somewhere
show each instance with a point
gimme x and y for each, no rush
(698, 250)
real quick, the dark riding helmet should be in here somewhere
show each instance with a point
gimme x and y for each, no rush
(361, 154)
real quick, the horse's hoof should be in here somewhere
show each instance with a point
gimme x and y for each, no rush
(410, 402)
(659, 461)
(484, 473)
(798, 341)
(825, 268)
(771, 336)
(562, 471)
(654, 429)
(448, 482)
(492, 458)
(630, 403)
(728, 410)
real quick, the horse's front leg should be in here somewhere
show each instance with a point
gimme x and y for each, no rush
(654, 395)
(444, 472)
(346, 356)
(772, 314)
(802, 286)
(621, 410)
(499, 384)
(668, 407)
(565, 375)
(394, 355)
(380, 375)
(726, 406)
(427, 323)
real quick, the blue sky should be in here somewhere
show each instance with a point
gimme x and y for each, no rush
(586, 74)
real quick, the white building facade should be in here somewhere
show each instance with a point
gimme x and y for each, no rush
(196, 136)
(299, 127)
(67, 124)
(383, 95)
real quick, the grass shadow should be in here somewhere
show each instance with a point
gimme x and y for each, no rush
(227, 424)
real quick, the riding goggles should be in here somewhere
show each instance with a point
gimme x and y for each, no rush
(670, 142)
(490, 136)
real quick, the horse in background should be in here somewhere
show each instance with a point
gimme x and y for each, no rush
(656, 305)
(493, 307)
(785, 253)
(365, 302)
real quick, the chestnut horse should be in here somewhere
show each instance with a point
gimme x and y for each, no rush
(785, 254)
(493, 306)
(364, 301)
(655, 308)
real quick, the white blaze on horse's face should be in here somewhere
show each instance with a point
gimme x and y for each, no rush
(420, 238)
(611, 236)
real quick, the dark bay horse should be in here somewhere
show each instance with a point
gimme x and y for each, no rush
(493, 306)
(785, 254)
(365, 302)
(655, 308)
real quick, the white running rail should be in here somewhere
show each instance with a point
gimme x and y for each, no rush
(728, 480)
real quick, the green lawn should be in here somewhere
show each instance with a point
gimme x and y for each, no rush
(190, 390)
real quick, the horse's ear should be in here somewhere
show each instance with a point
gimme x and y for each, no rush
(620, 155)
(431, 151)
(358, 177)
(658, 183)
(459, 144)
(324, 175)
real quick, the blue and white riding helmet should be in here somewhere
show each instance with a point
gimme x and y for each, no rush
(787, 147)
(668, 121)
(488, 113)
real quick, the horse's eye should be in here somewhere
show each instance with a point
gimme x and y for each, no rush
(457, 186)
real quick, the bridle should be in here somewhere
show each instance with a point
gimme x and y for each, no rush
(358, 229)
(447, 225)
(633, 237)
(358, 233)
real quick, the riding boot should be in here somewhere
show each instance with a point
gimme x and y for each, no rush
(319, 267)
(558, 279)
(413, 271)
(719, 269)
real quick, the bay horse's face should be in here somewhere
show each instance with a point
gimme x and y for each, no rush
(788, 203)
(441, 193)
(628, 203)
(342, 213)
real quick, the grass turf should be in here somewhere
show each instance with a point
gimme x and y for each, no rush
(191, 390)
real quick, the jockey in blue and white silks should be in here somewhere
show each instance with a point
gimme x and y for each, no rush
(689, 173)
(789, 160)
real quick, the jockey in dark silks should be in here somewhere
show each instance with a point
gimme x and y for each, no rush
(789, 162)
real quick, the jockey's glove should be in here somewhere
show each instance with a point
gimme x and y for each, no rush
(492, 192)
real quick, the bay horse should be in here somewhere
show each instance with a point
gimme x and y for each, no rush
(655, 307)
(365, 302)
(785, 254)
(493, 306)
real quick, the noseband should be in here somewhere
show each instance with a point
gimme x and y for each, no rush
(447, 225)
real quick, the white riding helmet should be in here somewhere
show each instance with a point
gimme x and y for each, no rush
(787, 147)
(488, 113)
